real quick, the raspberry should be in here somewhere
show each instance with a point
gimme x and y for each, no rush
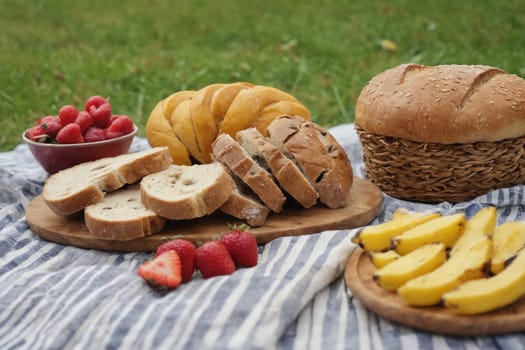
(70, 133)
(121, 123)
(84, 120)
(94, 134)
(101, 115)
(67, 114)
(95, 101)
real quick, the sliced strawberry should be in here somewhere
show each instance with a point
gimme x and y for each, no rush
(242, 247)
(186, 251)
(67, 114)
(212, 259)
(163, 272)
(70, 133)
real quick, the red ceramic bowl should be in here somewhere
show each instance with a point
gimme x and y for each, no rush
(56, 157)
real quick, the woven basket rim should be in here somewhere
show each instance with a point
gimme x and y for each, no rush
(434, 172)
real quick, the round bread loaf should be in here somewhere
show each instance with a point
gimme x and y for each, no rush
(443, 104)
(442, 133)
(188, 122)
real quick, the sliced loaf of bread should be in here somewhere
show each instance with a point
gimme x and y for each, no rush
(229, 152)
(244, 205)
(73, 189)
(187, 191)
(285, 171)
(318, 154)
(121, 215)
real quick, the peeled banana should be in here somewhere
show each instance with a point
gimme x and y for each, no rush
(508, 239)
(377, 238)
(445, 229)
(488, 294)
(407, 267)
(483, 223)
(380, 259)
(467, 264)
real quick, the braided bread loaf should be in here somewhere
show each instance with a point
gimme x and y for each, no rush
(188, 121)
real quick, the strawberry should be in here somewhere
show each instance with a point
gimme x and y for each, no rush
(46, 119)
(37, 134)
(186, 251)
(94, 134)
(84, 120)
(163, 272)
(95, 101)
(212, 259)
(242, 246)
(67, 114)
(51, 125)
(70, 133)
(121, 123)
(101, 114)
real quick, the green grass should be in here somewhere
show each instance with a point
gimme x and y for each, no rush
(137, 52)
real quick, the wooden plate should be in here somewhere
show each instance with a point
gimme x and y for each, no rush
(358, 277)
(363, 204)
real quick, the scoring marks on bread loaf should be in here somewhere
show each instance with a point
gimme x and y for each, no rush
(476, 85)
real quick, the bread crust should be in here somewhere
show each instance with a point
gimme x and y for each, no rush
(137, 222)
(444, 104)
(71, 190)
(319, 156)
(229, 152)
(285, 171)
(160, 132)
(183, 192)
(245, 206)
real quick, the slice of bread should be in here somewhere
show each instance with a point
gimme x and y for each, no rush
(286, 172)
(319, 156)
(187, 191)
(73, 189)
(229, 152)
(244, 205)
(121, 215)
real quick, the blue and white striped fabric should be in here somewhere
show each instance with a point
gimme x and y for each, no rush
(62, 297)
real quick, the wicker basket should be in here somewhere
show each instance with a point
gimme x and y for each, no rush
(432, 172)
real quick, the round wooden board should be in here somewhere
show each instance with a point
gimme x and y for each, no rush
(363, 205)
(358, 277)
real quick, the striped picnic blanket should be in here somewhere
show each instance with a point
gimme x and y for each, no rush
(62, 297)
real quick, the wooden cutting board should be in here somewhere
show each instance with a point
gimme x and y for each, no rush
(363, 205)
(358, 277)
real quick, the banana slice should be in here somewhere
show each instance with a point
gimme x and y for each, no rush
(483, 223)
(488, 294)
(416, 263)
(377, 238)
(380, 259)
(445, 229)
(467, 264)
(508, 239)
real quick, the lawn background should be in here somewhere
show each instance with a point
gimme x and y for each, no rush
(137, 52)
